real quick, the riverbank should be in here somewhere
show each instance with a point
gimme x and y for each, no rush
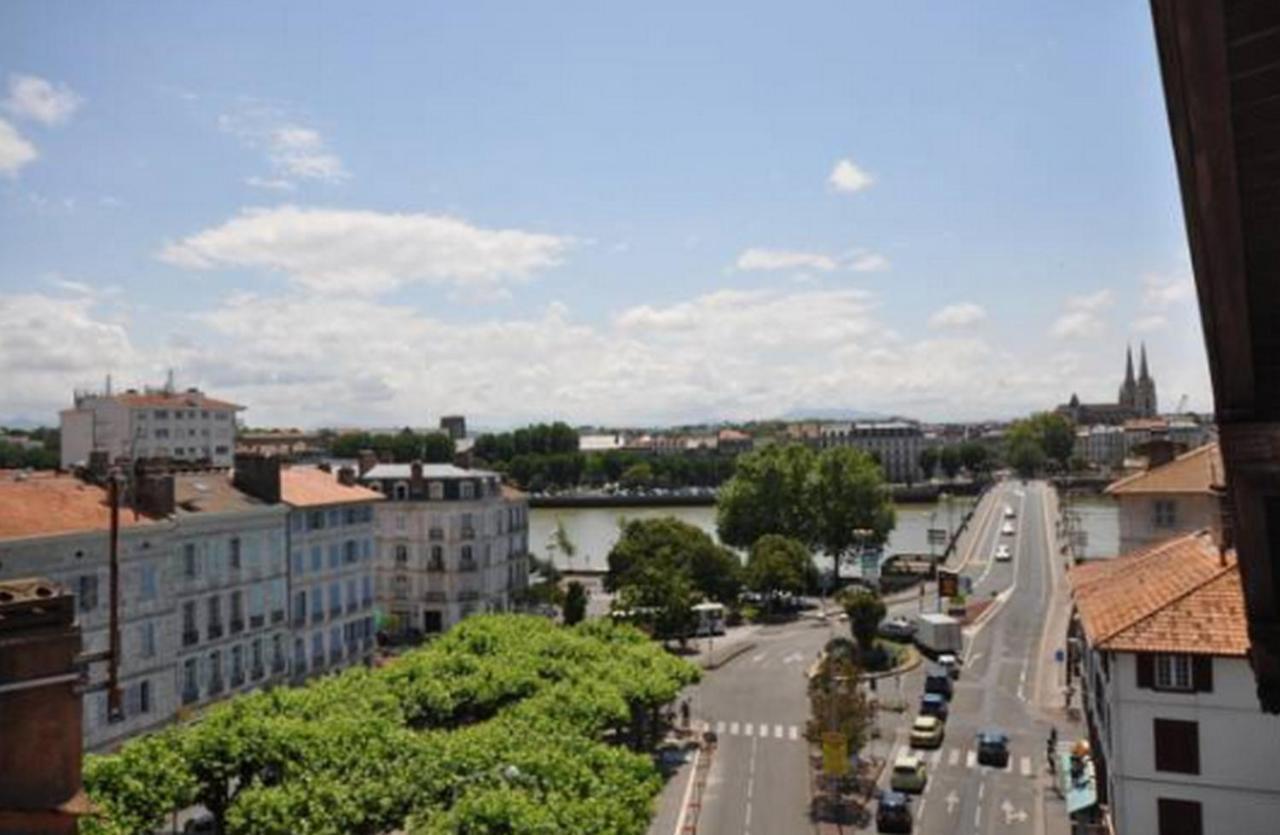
(907, 493)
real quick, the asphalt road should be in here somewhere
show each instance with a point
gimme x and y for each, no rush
(759, 778)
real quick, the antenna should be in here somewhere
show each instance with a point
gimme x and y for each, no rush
(168, 382)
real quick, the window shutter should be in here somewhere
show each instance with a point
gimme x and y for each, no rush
(1202, 673)
(1146, 670)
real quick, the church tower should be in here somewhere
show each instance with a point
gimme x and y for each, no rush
(1129, 389)
(1146, 393)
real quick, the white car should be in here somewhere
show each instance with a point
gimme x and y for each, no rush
(1007, 530)
(1003, 554)
(1009, 512)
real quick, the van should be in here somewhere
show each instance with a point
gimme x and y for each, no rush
(938, 680)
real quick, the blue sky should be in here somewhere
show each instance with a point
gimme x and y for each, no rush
(376, 214)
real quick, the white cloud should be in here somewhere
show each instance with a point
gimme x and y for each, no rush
(847, 177)
(293, 149)
(958, 315)
(763, 259)
(1077, 324)
(1144, 324)
(15, 151)
(270, 183)
(1091, 302)
(783, 259)
(1159, 292)
(336, 250)
(31, 97)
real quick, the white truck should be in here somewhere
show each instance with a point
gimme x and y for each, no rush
(938, 633)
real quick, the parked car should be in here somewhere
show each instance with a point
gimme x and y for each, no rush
(1003, 554)
(909, 774)
(938, 680)
(926, 732)
(1009, 512)
(934, 704)
(1007, 530)
(893, 813)
(993, 748)
(201, 825)
(949, 662)
(898, 629)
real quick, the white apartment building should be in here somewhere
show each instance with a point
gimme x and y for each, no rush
(1179, 744)
(230, 585)
(895, 443)
(153, 423)
(331, 551)
(56, 526)
(450, 542)
(1172, 498)
(1102, 445)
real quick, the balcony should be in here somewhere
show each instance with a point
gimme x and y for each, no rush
(317, 616)
(300, 620)
(435, 566)
(366, 602)
(277, 616)
(352, 606)
(190, 637)
(436, 534)
(434, 596)
(237, 625)
(468, 565)
(335, 611)
(215, 631)
(190, 695)
(256, 621)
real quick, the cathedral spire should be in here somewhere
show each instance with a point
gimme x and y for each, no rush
(1142, 373)
(1128, 365)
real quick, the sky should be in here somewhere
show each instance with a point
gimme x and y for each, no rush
(621, 214)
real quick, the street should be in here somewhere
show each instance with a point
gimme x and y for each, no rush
(758, 781)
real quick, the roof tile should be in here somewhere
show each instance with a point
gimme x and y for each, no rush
(1197, 471)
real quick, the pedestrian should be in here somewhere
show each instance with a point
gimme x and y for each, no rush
(684, 713)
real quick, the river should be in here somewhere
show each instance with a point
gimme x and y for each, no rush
(594, 530)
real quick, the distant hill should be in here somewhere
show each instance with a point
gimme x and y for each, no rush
(831, 414)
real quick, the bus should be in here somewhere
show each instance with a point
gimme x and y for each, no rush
(708, 619)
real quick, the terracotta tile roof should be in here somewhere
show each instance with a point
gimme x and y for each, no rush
(44, 504)
(312, 487)
(1197, 471)
(177, 400)
(1175, 596)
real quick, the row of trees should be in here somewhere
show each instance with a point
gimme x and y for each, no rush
(498, 726)
(972, 456)
(46, 455)
(402, 447)
(537, 439)
(538, 471)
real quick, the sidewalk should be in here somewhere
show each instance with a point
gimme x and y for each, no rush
(960, 556)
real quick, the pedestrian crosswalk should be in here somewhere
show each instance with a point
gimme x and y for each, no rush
(951, 758)
(761, 730)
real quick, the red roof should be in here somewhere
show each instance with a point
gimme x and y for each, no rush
(176, 400)
(313, 487)
(46, 504)
(1178, 596)
(1197, 471)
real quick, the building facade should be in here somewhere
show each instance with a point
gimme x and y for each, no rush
(450, 542)
(896, 444)
(1179, 745)
(1136, 399)
(331, 557)
(1176, 497)
(184, 426)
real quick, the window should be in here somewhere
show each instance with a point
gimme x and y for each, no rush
(1179, 817)
(147, 640)
(87, 592)
(350, 551)
(137, 699)
(190, 565)
(299, 607)
(297, 522)
(335, 518)
(162, 414)
(215, 617)
(1177, 745)
(147, 586)
(335, 599)
(1165, 513)
(189, 632)
(468, 490)
(237, 611)
(435, 490)
(235, 552)
(299, 564)
(467, 562)
(190, 683)
(401, 492)
(401, 586)
(317, 558)
(335, 555)
(1173, 672)
(315, 520)
(437, 559)
(400, 521)
(402, 554)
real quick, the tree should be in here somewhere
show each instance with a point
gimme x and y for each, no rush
(768, 493)
(836, 701)
(928, 462)
(851, 504)
(676, 548)
(637, 476)
(661, 598)
(575, 603)
(949, 460)
(1057, 436)
(1024, 451)
(865, 610)
(975, 457)
(560, 543)
(779, 564)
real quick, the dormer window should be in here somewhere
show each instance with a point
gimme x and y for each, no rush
(401, 491)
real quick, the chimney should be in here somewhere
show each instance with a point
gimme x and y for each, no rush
(40, 784)
(153, 491)
(99, 462)
(367, 461)
(325, 467)
(1160, 451)
(415, 472)
(347, 476)
(258, 475)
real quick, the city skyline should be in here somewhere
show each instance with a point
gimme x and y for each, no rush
(607, 217)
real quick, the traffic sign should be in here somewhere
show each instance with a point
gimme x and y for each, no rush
(835, 754)
(948, 584)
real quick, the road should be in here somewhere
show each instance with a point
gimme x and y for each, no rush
(758, 780)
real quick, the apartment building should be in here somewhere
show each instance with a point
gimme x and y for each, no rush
(184, 426)
(1176, 496)
(56, 526)
(450, 542)
(330, 541)
(1178, 742)
(896, 444)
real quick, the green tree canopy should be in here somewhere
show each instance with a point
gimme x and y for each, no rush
(865, 610)
(575, 603)
(779, 564)
(975, 457)
(949, 460)
(673, 547)
(769, 493)
(851, 503)
(928, 461)
(637, 476)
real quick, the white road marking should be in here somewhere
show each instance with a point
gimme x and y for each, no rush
(757, 658)
(720, 728)
(970, 759)
(733, 729)
(746, 729)
(1026, 766)
(935, 757)
(920, 811)
(952, 800)
(795, 732)
(688, 792)
(777, 731)
(982, 789)
(954, 758)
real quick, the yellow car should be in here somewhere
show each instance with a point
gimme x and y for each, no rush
(926, 732)
(909, 774)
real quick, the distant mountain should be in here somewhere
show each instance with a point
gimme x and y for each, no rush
(831, 414)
